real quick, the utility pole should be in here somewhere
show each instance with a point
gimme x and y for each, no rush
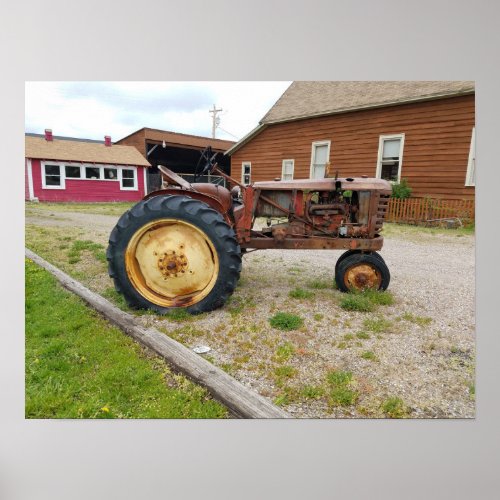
(215, 119)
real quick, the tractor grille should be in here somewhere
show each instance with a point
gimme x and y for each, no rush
(383, 205)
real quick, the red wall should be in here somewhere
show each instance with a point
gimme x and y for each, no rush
(85, 190)
(26, 186)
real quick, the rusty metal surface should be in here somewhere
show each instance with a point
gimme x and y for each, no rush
(327, 184)
(171, 263)
(315, 243)
(362, 276)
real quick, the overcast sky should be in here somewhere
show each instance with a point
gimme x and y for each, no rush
(92, 110)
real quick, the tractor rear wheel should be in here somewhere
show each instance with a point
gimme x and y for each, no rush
(174, 252)
(358, 272)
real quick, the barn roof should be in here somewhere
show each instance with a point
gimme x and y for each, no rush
(311, 99)
(77, 150)
(307, 99)
(179, 139)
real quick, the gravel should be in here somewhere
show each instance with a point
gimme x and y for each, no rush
(425, 355)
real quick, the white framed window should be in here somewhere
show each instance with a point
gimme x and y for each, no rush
(470, 177)
(246, 173)
(390, 157)
(287, 169)
(128, 179)
(73, 171)
(320, 157)
(53, 175)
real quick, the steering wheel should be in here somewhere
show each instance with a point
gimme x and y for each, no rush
(205, 164)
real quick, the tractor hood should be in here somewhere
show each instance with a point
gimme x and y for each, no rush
(328, 184)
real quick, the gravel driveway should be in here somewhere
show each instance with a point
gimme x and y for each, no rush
(424, 355)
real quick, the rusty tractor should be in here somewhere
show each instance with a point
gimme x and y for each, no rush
(182, 246)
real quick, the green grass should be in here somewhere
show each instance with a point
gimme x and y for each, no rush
(369, 355)
(111, 208)
(356, 302)
(286, 321)
(340, 390)
(363, 335)
(284, 352)
(418, 320)
(79, 246)
(78, 366)
(318, 284)
(300, 293)
(395, 408)
(377, 325)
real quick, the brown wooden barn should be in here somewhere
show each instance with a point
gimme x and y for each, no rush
(179, 152)
(419, 131)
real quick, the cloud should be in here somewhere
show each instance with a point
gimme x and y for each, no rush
(95, 109)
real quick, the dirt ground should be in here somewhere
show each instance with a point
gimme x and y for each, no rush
(422, 347)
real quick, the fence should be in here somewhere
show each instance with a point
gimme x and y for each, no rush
(429, 210)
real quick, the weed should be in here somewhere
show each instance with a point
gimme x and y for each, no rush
(284, 352)
(369, 355)
(394, 407)
(340, 391)
(300, 293)
(319, 284)
(418, 320)
(378, 325)
(348, 336)
(356, 302)
(379, 297)
(363, 335)
(286, 321)
(75, 252)
(283, 373)
(178, 315)
(312, 392)
(318, 317)
(342, 345)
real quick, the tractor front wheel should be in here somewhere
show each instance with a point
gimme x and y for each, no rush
(358, 272)
(174, 252)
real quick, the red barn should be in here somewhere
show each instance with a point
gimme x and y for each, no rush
(66, 169)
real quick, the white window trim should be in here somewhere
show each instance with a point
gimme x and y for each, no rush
(120, 177)
(101, 167)
(472, 157)
(62, 175)
(283, 168)
(381, 140)
(313, 146)
(243, 165)
(30, 179)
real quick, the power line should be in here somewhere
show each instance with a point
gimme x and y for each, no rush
(236, 137)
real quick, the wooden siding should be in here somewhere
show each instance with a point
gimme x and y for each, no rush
(435, 155)
(86, 190)
(137, 139)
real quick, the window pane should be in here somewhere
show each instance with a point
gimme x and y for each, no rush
(128, 174)
(52, 180)
(246, 179)
(129, 183)
(52, 170)
(391, 148)
(390, 171)
(110, 173)
(72, 172)
(320, 154)
(246, 169)
(92, 172)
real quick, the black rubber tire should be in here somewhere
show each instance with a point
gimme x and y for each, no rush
(374, 261)
(194, 212)
(353, 252)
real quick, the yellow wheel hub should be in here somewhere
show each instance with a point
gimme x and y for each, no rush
(171, 263)
(362, 276)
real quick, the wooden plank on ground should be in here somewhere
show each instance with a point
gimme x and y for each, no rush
(240, 400)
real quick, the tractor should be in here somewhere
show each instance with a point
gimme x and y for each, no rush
(182, 245)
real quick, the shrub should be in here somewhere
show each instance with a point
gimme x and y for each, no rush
(401, 190)
(394, 408)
